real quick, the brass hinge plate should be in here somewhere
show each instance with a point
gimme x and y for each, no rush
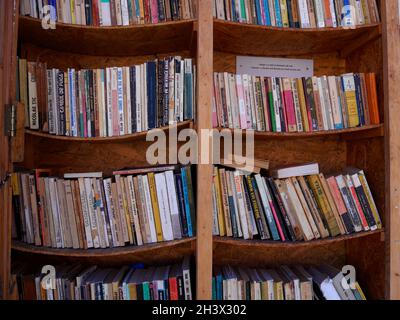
(10, 120)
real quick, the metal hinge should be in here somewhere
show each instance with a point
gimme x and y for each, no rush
(10, 120)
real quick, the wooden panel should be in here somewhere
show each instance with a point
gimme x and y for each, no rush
(109, 41)
(64, 60)
(204, 172)
(8, 31)
(391, 75)
(248, 39)
(152, 254)
(18, 142)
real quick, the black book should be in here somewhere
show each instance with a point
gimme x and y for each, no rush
(151, 94)
(281, 106)
(261, 208)
(91, 103)
(165, 118)
(362, 197)
(175, 9)
(88, 12)
(132, 83)
(161, 11)
(290, 13)
(359, 99)
(309, 94)
(277, 200)
(181, 204)
(160, 92)
(61, 102)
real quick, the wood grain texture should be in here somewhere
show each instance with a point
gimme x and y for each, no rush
(109, 41)
(204, 170)
(18, 142)
(246, 39)
(391, 78)
(152, 254)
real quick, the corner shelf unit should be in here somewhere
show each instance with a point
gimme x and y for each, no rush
(215, 45)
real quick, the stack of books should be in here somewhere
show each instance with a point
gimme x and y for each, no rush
(298, 13)
(296, 203)
(283, 283)
(294, 105)
(107, 102)
(77, 282)
(111, 12)
(85, 210)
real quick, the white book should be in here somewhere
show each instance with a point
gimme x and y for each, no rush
(327, 100)
(83, 175)
(336, 109)
(124, 13)
(101, 101)
(234, 101)
(127, 86)
(333, 13)
(303, 11)
(78, 12)
(228, 99)
(105, 19)
(359, 12)
(215, 229)
(101, 217)
(85, 213)
(163, 205)
(118, 12)
(32, 94)
(91, 212)
(246, 96)
(149, 209)
(241, 204)
(242, 109)
(49, 214)
(109, 102)
(319, 13)
(55, 212)
(121, 208)
(296, 170)
(66, 11)
(120, 91)
(132, 199)
(173, 204)
(323, 106)
(110, 211)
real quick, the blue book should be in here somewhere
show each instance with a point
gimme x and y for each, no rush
(232, 212)
(181, 203)
(187, 204)
(278, 13)
(188, 91)
(267, 13)
(234, 12)
(53, 12)
(258, 12)
(151, 95)
(137, 10)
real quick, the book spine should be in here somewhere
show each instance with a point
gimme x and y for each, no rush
(32, 92)
(357, 204)
(188, 212)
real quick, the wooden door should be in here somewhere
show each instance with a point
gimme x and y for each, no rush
(8, 42)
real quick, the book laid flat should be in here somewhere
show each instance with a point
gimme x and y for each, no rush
(296, 206)
(136, 282)
(108, 102)
(242, 101)
(298, 13)
(103, 13)
(294, 282)
(87, 211)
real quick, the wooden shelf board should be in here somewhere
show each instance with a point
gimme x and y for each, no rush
(127, 137)
(279, 244)
(247, 39)
(132, 40)
(346, 134)
(102, 253)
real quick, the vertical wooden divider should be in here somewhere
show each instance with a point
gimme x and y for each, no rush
(391, 72)
(204, 245)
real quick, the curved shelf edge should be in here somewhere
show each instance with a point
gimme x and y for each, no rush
(282, 245)
(127, 137)
(100, 253)
(346, 134)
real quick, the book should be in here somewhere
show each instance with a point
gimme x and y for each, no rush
(297, 170)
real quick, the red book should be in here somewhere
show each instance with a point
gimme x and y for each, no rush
(154, 11)
(95, 13)
(173, 289)
(289, 105)
(358, 205)
(328, 15)
(146, 6)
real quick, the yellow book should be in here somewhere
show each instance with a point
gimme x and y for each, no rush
(154, 203)
(124, 206)
(350, 94)
(221, 222)
(225, 205)
(132, 291)
(15, 184)
(323, 204)
(358, 288)
(284, 14)
(370, 199)
(73, 14)
(303, 106)
(141, 10)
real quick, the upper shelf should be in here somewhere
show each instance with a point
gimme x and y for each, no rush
(247, 39)
(126, 137)
(133, 40)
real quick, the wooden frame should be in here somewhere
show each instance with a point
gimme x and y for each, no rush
(375, 148)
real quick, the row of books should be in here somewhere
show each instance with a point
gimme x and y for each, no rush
(298, 13)
(296, 203)
(85, 210)
(297, 282)
(107, 102)
(78, 282)
(111, 12)
(294, 105)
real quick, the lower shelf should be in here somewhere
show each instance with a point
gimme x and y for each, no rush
(150, 253)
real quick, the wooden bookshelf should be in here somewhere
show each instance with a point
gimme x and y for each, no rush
(215, 45)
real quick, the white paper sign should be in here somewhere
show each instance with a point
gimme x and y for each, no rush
(274, 67)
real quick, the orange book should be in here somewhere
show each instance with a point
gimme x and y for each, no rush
(370, 81)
